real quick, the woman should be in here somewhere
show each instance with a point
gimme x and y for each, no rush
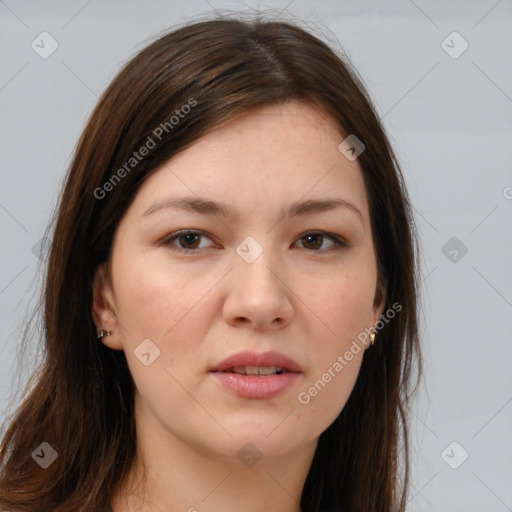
(230, 307)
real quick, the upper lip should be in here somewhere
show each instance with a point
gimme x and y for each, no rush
(247, 358)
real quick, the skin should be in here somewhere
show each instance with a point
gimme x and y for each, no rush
(298, 297)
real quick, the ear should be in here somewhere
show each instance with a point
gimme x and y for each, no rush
(103, 308)
(379, 302)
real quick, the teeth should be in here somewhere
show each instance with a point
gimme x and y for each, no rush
(257, 370)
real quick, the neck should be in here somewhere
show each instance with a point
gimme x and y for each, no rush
(172, 474)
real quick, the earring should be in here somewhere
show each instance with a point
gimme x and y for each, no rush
(372, 337)
(103, 333)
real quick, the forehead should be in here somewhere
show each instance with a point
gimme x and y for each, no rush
(266, 158)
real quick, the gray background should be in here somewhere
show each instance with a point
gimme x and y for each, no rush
(450, 120)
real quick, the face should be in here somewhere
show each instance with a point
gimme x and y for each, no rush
(190, 286)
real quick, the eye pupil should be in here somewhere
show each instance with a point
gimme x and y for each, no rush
(315, 236)
(190, 236)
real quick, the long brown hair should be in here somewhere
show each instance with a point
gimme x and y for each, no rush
(82, 397)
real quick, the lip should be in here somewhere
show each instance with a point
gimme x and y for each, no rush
(247, 358)
(253, 386)
(249, 386)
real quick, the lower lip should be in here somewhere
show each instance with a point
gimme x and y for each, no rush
(259, 387)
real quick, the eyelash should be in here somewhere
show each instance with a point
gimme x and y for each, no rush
(339, 243)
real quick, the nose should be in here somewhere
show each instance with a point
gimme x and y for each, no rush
(258, 294)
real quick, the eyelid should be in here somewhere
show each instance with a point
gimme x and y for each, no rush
(339, 242)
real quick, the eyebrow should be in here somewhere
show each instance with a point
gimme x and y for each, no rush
(209, 207)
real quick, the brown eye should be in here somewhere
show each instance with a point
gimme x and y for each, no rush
(190, 239)
(314, 241)
(186, 240)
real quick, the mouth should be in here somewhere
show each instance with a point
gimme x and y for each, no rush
(252, 363)
(256, 370)
(262, 376)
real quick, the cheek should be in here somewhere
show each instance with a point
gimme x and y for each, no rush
(153, 299)
(156, 302)
(325, 396)
(344, 305)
